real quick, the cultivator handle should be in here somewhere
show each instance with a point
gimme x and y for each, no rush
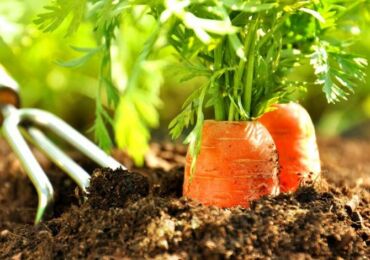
(32, 121)
(9, 91)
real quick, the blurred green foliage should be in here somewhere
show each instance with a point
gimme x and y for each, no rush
(339, 118)
(32, 57)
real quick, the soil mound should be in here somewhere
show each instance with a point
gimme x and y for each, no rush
(142, 215)
(114, 189)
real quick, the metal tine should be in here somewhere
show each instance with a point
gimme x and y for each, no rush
(12, 118)
(70, 135)
(15, 117)
(38, 177)
(57, 156)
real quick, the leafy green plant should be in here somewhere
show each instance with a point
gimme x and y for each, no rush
(247, 51)
(128, 98)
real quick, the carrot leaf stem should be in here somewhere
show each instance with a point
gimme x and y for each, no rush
(219, 104)
(250, 68)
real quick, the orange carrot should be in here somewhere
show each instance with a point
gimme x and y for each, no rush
(294, 134)
(237, 163)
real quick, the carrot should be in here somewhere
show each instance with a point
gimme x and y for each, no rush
(294, 134)
(237, 163)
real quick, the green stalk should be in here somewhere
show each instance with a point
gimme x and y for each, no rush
(219, 110)
(272, 31)
(218, 106)
(238, 75)
(143, 56)
(237, 78)
(231, 107)
(250, 69)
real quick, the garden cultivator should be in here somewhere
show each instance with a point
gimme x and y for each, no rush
(31, 121)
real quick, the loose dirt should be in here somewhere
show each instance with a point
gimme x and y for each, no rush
(141, 214)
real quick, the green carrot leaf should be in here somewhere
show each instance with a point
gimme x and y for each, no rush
(58, 12)
(77, 62)
(249, 6)
(101, 133)
(337, 71)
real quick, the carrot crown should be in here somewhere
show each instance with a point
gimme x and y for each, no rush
(248, 50)
(245, 49)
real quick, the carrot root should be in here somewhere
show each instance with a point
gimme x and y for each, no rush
(237, 163)
(294, 134)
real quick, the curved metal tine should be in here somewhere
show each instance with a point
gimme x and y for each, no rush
(66, 132)
(31, 166)
(56, 155)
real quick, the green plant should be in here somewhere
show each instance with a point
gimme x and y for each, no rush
(128, 91)
(247, 50)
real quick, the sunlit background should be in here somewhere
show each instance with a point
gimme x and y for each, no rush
(32, 57)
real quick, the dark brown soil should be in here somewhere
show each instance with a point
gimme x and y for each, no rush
(141, 214)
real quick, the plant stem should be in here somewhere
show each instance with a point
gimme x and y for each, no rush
(230, 116)
(219, 109)
(251, 40)
(237, 78)
(271, 32)
(143, 56)
(219, 104)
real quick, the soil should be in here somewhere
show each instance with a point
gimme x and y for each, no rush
(141, 214)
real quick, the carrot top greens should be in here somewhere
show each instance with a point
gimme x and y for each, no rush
(247, 50)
